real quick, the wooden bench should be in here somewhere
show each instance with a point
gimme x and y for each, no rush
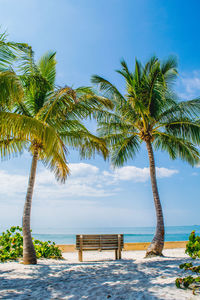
(89, 242)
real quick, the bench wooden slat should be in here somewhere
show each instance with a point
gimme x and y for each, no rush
(97, 244)
(102, 241)
(106, 236)
(97, 238)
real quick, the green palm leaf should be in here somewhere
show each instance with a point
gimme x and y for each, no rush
(177, 148)
(47, 67)
(124, 149)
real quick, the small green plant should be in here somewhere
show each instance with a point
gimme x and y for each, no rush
(47, 249)
(193, 246)
(11, 246)
(193, 250)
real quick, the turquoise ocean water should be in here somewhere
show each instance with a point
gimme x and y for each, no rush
(131, 234)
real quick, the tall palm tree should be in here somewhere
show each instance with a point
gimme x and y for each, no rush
(149, 112)
(17, 130)
(59, 111)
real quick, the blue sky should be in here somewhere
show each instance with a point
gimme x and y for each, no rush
(91, 37)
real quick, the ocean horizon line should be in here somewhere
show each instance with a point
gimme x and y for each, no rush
(131, 234)
(67, 235)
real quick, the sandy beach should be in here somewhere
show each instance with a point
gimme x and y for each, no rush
(98, 277)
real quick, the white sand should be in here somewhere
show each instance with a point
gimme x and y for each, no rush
(98, 277)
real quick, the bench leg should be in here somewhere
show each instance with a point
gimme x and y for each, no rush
(119, 246)
(116, 254)
(119, 254)
(80, 255)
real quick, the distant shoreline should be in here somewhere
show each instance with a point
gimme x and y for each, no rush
(130, 246)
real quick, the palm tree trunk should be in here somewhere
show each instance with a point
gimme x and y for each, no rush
(29, 255)
(157, 243)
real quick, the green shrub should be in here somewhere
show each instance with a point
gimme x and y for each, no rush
(11, 246)
(193, 246)
(47, 250)
(193, 250)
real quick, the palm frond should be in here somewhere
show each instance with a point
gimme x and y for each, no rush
(138, 71)
(148, 66)
(177, 147)
(22, 129)
(169, 69)
(184, 128)
(47, 67)
(124, 148)
(93, 145)
(26, 64)
(83, 140)
(10, 88)
(18, 126)
(55, 159)
(11, 147)
(125, 72)
(188, 109)
(109, 90)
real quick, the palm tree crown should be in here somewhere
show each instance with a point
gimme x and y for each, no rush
(54, 112)
(149, 111)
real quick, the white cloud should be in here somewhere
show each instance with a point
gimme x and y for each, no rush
(164, 172)
(135, 174)
(81, 169)
(194, 174)
(12, 183)
(86, 181)
(189, 85)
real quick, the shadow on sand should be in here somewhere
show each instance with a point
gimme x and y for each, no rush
(123, 279)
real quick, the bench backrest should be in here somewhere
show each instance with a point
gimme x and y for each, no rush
(99, 241)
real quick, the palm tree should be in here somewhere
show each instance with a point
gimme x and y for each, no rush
(149, 112)
(16, 130)
(59, 111)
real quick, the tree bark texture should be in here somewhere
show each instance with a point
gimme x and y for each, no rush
(157, 244)
(29, 254)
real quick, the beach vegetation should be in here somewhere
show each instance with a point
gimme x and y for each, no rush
(193, 250)
(11, 246)
(149, 112)
(193, 246)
